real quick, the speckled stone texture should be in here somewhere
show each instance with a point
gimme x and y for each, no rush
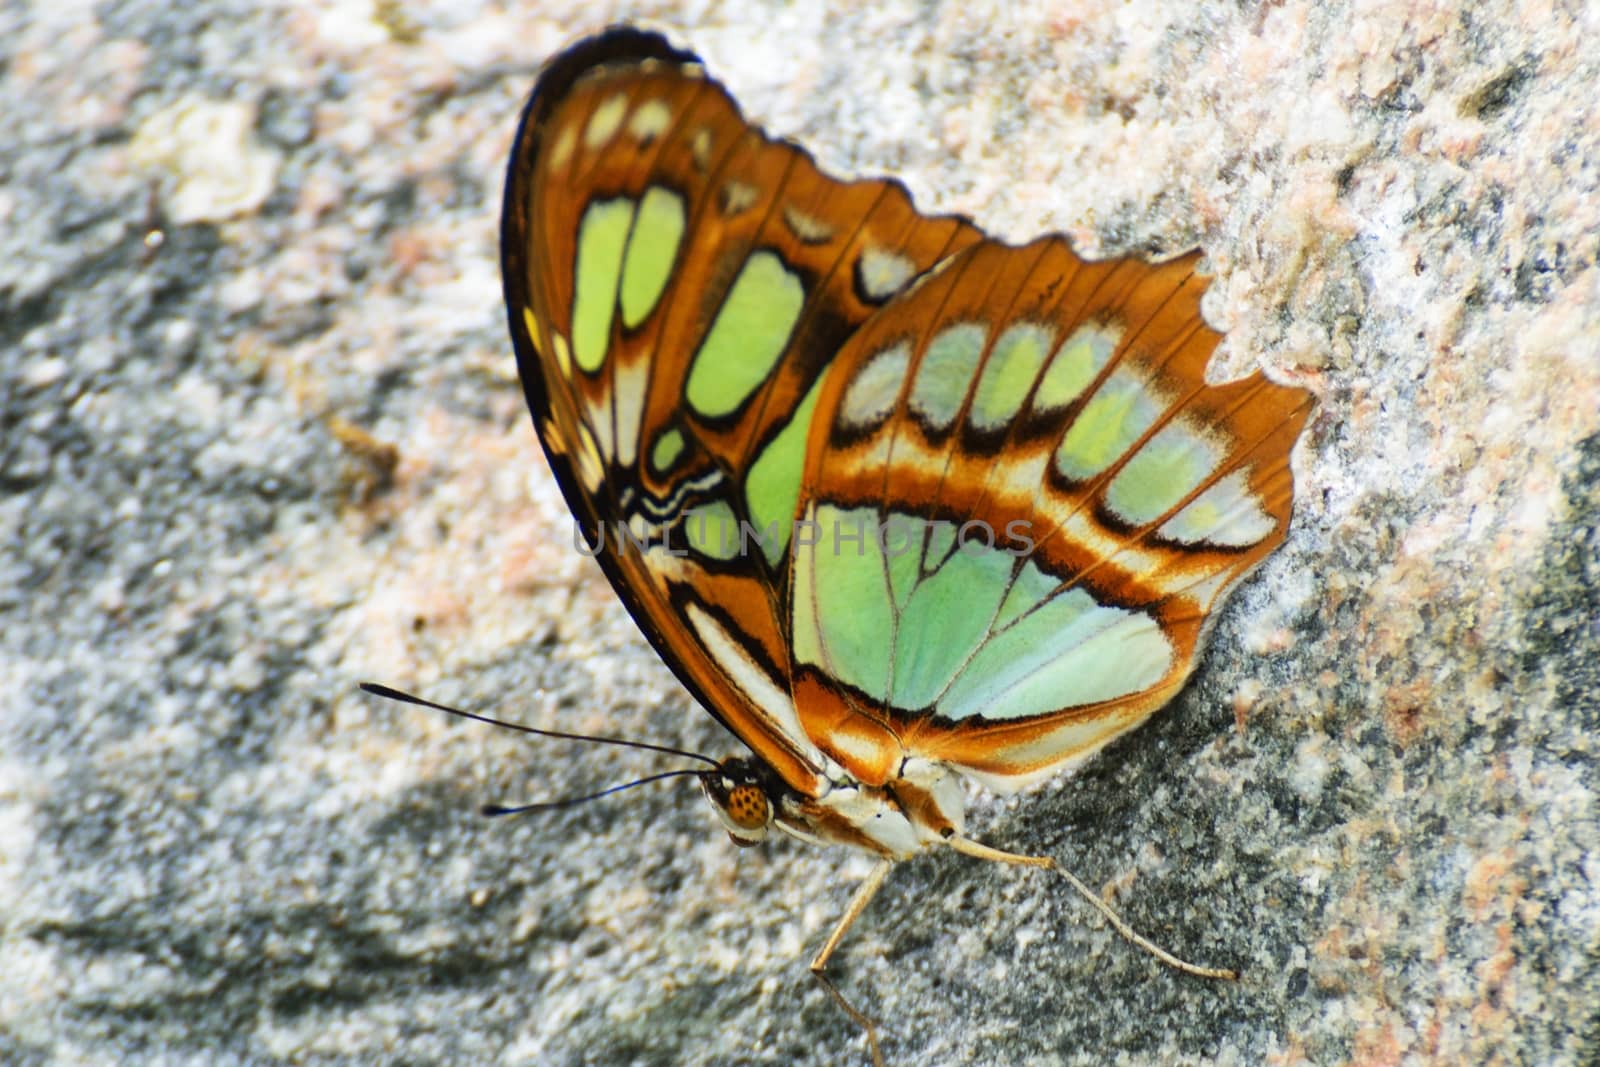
(262, 439)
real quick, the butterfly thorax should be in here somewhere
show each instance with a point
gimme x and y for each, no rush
(924, 806)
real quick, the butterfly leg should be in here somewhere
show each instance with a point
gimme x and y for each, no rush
(858, 904)
(867, 1025)
(994, 855)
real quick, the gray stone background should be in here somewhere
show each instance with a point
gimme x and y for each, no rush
(262, 439)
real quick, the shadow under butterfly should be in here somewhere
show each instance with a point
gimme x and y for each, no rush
(897, 502)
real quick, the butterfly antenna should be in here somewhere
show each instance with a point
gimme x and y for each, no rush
(551, 805)
(595, 739)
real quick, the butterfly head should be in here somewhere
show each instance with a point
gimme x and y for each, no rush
(741, 792)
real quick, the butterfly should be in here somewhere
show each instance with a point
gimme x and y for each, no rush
(900, 504)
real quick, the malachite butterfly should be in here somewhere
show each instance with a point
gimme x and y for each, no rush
(899, 503)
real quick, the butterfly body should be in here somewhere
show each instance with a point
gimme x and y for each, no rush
(901, 505)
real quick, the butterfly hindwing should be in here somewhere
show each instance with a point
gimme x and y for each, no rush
(1022, 484)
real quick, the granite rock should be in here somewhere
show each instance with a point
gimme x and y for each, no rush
(263, 440)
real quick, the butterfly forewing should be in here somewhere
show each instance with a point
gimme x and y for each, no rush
(677, 284)
(1023, 485)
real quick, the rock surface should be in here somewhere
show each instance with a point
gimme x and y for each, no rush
(263, 440)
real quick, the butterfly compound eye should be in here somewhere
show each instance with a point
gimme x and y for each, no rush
(741, 804)
(747, 806)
